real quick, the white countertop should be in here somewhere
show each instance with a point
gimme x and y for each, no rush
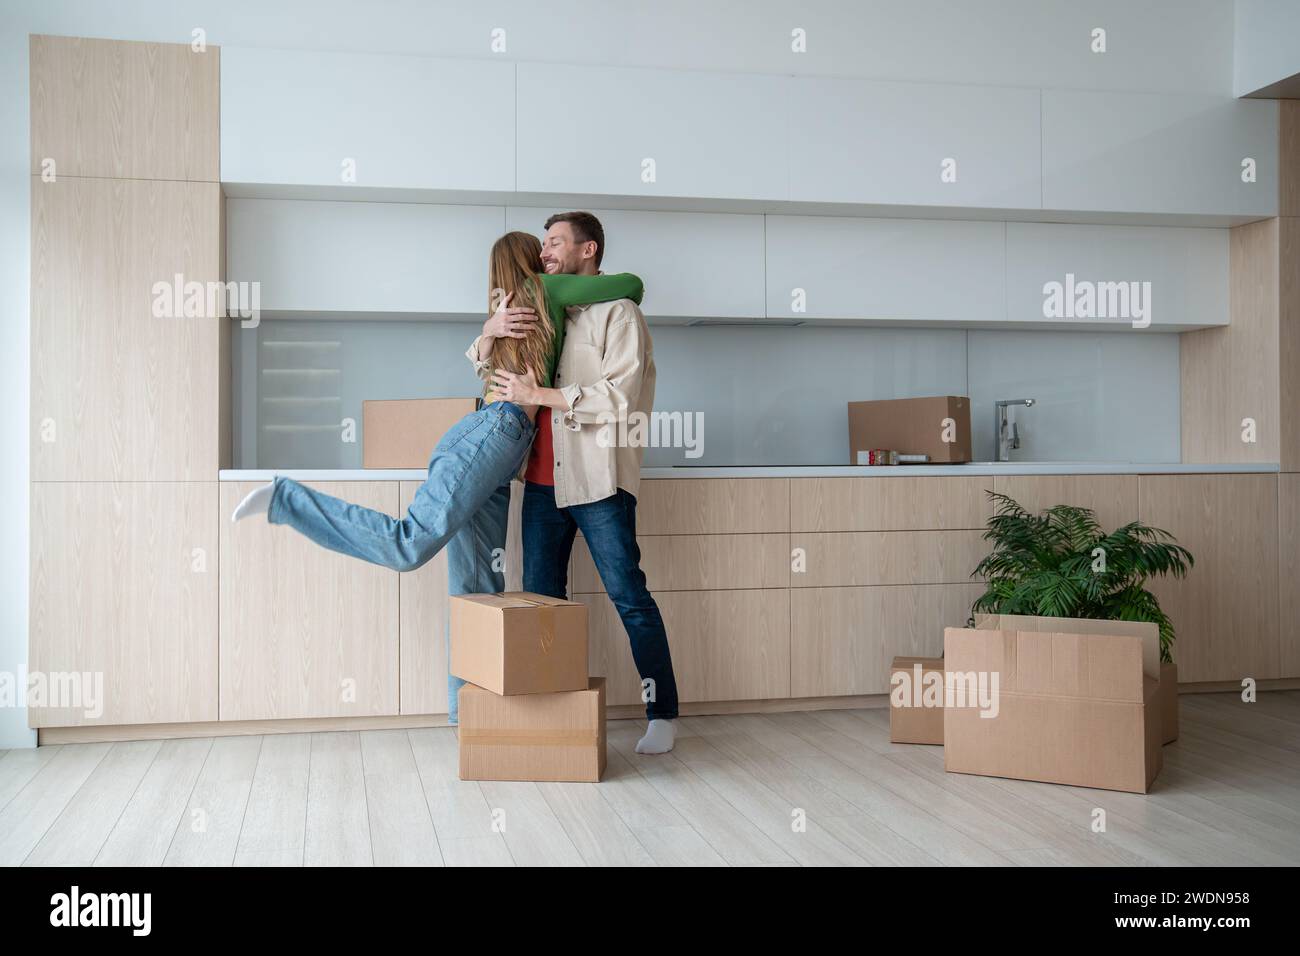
(808, 471)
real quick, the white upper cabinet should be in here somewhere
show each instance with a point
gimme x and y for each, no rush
(859, 141)
(645, 132)
(694, 265)
(1120, 277)
(310, 118)
(323, 257)
(1155, 153)
(885, 270)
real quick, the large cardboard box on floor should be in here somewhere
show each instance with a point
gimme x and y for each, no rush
(938, 427)
(542, 737)
(519, 642)
(1067, 701)
(403, 433)
(916, 700)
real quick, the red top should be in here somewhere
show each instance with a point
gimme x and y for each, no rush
(541, 460)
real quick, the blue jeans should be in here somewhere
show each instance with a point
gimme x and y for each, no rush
(609, 528)
(463, 502)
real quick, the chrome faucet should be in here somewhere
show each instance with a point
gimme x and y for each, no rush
(1004, 441)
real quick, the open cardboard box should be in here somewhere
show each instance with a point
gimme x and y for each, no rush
(1061, 700)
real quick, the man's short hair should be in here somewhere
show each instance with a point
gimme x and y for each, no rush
(586, 228)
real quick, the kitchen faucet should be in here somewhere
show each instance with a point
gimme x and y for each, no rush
(1003, 442)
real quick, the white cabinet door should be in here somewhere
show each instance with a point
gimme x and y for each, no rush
(1133, 152)
(860, 141)
(699, 134)
(308, 117)
(1186, 268)
(310, 256)
(885, 270)
(694, 265)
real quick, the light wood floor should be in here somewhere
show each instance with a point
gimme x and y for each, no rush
(1229, 794)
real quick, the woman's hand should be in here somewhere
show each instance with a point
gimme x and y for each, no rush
(509, 323)
(510, 387)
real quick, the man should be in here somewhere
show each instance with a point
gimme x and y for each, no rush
(578, 478)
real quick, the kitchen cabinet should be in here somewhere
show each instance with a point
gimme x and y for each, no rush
(888, 504)
(857, 558)
(847, 637)
(1158, 153)
(726, 645)
(363, 257)
(124, 110)
(1288, 573)
(696, 562)
(913, 144)
(669, 133)
(885, 270)
(694, 265)
(305, 632)
(1114, 498)
(1186, 268)
(124, 589)
(713, 506)
(1225, 612)
(307, 117)
(125, 385)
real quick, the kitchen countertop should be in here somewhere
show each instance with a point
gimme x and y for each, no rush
(808, 471)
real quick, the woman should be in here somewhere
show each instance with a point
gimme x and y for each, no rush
(466, 493)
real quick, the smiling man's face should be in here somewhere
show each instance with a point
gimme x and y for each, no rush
(562, 254)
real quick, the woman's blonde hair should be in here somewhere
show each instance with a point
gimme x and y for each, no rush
(513, 265)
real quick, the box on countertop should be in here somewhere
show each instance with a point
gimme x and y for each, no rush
(402, 433)
(938, 427)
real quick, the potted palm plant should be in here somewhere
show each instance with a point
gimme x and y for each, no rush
(1060, 563)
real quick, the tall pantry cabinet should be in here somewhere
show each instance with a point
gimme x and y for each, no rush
(128, 399)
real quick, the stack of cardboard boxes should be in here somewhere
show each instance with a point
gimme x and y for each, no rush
(1061, 700)
(529, 711)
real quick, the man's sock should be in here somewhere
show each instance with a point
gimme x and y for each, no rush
(658, 737)
(256, 502)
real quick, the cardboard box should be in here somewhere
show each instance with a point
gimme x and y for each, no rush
(916, 700)
(912, 426)
(551, 737)
(519, 643)
(1072, 708)
(1169, 701)
(403, 433)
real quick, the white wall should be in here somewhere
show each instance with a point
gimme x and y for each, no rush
(1266, 43)
(1157, 45)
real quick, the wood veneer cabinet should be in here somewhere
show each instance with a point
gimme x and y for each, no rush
(119, 394)
(1225, 612)
(124, 585)
(889, 504)
(125, 109)
(305, 632)
(1113, 497)
(1288, 573)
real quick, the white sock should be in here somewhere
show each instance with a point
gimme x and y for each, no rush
(658, 737)
(256, 502)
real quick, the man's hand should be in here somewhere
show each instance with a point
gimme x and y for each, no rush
(509, 323)
(520, 389)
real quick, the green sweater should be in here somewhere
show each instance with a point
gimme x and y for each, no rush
(563, 291)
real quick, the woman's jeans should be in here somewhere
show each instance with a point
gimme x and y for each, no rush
(469, 471)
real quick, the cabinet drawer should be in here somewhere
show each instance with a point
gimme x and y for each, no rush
(713, 505)
(887, 557)
(726, 645)
(697, 562)
(845, 639)
(1114, 498)
(889, 504)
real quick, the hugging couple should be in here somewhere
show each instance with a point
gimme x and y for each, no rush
(564, 352)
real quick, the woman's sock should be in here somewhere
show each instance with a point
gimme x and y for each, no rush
(658, 738)
(256, 502)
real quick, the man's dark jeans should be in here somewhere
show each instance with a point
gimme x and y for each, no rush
(609, 528)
